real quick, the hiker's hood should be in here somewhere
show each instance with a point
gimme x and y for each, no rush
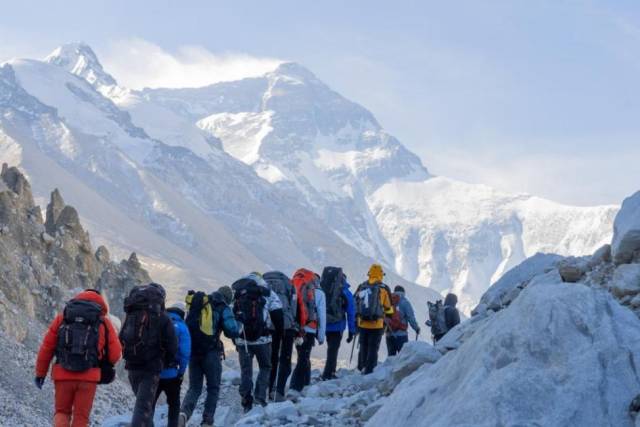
(258, 279)
(376, 273)
(217, 297)
(174, 315)
(93, 297)
(451, 300)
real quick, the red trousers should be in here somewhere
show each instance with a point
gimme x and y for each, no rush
(73, 403)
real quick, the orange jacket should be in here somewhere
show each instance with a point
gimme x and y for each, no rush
(48, 346)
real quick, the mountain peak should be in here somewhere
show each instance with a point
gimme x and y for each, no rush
(294, 70)
(78, 58)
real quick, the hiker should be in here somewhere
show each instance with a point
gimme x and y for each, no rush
(397, 325)
(373, 302)
(312, 320)
(443, 317)
(341, 312)
(149, 345)
(258, 309)
(82, 338)
(282, 344)
(207, 317)
(171, 376)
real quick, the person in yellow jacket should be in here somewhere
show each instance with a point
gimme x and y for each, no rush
(373, 303)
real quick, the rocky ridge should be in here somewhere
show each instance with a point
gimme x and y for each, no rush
(45, 260)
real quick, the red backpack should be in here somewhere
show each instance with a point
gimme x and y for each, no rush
(396, 322)
(306, 282)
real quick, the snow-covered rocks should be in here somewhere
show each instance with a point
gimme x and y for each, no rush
(559, 355)
(626, 280)
(626, 231)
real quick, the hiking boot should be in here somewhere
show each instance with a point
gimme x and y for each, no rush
(261, 402)
(206, 425)
(182, 420)
(280, 397)
(272, 395)
(247, 404)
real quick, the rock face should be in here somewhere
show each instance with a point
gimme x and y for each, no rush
(42, 265)
(626, 231)
(560, 354)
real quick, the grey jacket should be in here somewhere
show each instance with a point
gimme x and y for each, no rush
(406, 312)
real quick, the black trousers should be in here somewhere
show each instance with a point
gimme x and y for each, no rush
(395, 343)
(144, 385)
(281, 351)
(171, 388)
(369, 346)
(302, 374)
(333, 345)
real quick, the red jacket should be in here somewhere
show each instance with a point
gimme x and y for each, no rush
(48, 347)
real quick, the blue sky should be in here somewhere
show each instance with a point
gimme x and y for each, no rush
(540, 97)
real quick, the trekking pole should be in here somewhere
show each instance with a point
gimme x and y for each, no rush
(352, 347)
(244, 335)
(417, 335)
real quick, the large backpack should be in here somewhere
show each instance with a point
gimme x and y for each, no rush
(141, 332)
(368, 304)
(306, 283)
(281, 285)
(396, 321)
(249, 308)
(437, 318)
(203, 322)
(332, 283)
(78, 336)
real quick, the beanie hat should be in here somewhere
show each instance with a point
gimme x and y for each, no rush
(178, 308)
(226, 293)
(376, 274)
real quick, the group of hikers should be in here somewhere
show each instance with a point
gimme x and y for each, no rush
(266, 316)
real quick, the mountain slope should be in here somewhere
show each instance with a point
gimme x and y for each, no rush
(377, 196)
(267, 165)
(197, 216)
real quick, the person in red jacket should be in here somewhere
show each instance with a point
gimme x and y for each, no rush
(74, 391)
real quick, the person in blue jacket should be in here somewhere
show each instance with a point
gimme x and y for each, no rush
(171, 377)
(336, 329)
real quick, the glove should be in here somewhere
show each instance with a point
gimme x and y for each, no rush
(39, 382)
(428, 323)
(320, 342)
(418, 331)
(350, 337)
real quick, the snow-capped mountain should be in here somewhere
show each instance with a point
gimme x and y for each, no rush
(196, 215)
(276, 171)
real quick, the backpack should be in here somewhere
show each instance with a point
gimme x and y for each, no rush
(368, 304)
(280, 284)
(437, 318)
(78, 336)
(202, 320)
(332, 283)
(140, 334)
(306, 283)
(249, 306)
(396, 321)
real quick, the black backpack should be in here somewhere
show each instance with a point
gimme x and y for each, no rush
(281, 285)
(78, 335)
(248, 307)
(141, 331)
(201, 342)
(332, 282)
(368, 304)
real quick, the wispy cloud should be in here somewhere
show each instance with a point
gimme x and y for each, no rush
(137, 63)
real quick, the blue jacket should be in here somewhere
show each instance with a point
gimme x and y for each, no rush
(407, 315)
(184, 349)
(350, 311)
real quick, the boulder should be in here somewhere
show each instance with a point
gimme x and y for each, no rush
(601, 256)
(283, 410)
(559, 355)
(571, 273)
(626, 231)
(626, 280)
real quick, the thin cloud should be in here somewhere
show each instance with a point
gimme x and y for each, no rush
(137, 63)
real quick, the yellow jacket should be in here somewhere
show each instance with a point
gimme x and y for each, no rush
(385, 300)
